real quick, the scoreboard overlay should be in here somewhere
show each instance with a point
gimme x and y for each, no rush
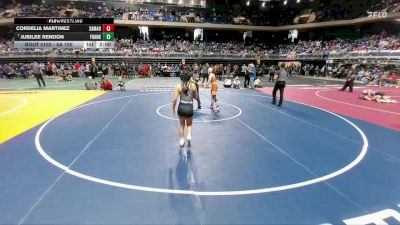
(63, 33)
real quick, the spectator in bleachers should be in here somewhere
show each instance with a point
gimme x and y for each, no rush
(23, 71)
(64, 75)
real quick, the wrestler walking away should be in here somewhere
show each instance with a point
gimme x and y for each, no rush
(186, 91)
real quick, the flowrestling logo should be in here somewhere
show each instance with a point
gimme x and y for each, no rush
(377, 14)
(377, 218)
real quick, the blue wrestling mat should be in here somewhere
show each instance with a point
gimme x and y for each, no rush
(116, 160)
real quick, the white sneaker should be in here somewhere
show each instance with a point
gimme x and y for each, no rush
(182, 142)
(217, 109)
(189, 141)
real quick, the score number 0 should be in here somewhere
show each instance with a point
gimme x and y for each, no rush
(108, 27)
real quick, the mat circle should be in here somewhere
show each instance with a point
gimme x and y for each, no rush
(202, 121)
(22, 104)
(68, 170)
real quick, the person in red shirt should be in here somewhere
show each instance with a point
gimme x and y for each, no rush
(125, 73)
(105, 84)
(393, 76)
(77, 66)
(108, 85)
(49, 69)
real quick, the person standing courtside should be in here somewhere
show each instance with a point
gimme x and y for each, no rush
(203, 73)
(280, 84)
(38, 73)
(271, 74)
(244, 73)
(252, 75)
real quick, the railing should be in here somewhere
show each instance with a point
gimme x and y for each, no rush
(196, 55)
(373, 53)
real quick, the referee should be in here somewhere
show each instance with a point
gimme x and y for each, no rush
(280, 84)
(38, 73)
(351, 75)
(196, 82)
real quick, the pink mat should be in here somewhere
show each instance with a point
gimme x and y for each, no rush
(348, 104)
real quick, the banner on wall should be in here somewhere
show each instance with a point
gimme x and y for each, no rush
(293, 65)
(144, 30)
(198, 34)
(293, 34)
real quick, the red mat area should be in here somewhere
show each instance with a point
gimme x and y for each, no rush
(348, 104)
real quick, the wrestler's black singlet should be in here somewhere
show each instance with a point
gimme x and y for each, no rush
(185, 108)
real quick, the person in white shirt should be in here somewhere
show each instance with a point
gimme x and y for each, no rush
(244, 69)
(228, 83)
(257, 83)
(90, 84)
(236, 83)
(121, 84)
